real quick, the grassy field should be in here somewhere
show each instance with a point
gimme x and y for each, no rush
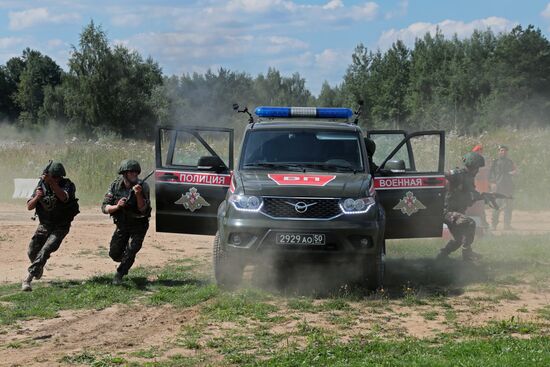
(340, 325)
(92, 165)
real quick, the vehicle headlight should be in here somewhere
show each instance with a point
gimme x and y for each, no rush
(356, 206)
(246, 203)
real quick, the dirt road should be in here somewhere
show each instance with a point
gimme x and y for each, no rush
(84, 252)
(128, 329)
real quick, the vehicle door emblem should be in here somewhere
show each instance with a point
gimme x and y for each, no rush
(192, 200)
(409, 204)
(300, 206)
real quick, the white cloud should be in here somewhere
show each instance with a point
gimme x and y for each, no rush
(176, 46)
(333, 4)
(31, 17)
(55, 43)
(447, 27)
(258, 6)
(328, 59)
(278, 44)
(546, 12)
(126, 20)
(366, 11)
(400, 11)
(9, 42)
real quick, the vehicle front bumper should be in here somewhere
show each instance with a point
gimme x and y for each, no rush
(345, 236)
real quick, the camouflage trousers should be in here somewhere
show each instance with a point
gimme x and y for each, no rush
(45, 241)
(125, 244)
(505, 205)
(463, 230)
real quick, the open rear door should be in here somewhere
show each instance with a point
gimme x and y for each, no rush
(410, 182)
(193, 173)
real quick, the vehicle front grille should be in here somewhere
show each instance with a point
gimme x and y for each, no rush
(316, 208)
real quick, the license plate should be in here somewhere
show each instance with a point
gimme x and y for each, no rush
(299, 239)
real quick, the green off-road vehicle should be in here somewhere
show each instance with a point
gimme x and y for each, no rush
(302, 189)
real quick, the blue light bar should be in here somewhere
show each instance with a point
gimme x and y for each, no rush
(318, 112)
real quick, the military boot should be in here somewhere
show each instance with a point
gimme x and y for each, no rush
(117, 279)
(442, 255)
(26, 285)
(470, 256)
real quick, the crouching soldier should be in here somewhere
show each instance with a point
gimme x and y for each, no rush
(127, 201)
(56, 206)
(461, 194)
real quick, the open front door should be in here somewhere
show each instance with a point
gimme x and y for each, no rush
(193, 173)
(410, 182)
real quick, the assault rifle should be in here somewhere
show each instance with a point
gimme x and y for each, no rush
(139, 182)
(490, 199)
(41, 182)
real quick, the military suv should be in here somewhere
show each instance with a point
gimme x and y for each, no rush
(302, 190)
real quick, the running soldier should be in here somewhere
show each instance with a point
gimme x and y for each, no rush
(461, 194)
(501, 176)
(128, 203)
(56, 206)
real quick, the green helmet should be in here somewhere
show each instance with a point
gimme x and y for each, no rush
(56, 169)
(473, 160)
(129, 165)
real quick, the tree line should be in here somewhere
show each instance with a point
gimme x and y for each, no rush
(467, 85)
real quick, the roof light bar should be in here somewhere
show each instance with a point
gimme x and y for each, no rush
(318, 112)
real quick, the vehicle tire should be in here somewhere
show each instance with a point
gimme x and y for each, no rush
(228, 271)
(284, 274)
(375, 268)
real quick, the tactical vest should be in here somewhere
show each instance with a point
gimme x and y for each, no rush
(52, 211)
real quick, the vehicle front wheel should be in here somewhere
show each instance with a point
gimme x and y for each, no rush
(375, 268)
(228, 270)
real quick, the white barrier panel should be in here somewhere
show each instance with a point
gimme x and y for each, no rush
(24, 187)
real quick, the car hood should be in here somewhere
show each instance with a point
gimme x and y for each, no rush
(309, 184)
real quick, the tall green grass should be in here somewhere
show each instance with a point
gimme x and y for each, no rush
(92, 164)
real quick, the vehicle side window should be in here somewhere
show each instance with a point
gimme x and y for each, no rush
(385, 143)
(426, 152)
(188, 148)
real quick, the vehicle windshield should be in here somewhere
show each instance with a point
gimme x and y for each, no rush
(302, 150)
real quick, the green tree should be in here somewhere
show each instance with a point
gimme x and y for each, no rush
(38, 72)
(393, 80)
(330, 96)
(109, 89)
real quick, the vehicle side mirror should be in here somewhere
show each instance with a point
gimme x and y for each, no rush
(211, 163)
(395, 165)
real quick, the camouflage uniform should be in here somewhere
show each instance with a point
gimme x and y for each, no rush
(55, 221)
(501, 177)
(460, 195)
(131, 224)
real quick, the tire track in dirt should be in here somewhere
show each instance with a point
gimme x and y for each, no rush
(117, 329)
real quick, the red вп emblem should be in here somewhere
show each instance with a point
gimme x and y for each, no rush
(291, 179)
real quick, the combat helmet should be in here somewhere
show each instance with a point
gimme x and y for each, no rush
(56, 169)
(129, 165)
(473, 160)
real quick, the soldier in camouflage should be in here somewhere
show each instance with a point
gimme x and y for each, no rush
(128, 203)
(501, 177)
(56, 206)
(461, 194)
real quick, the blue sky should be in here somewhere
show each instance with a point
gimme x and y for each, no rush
(312, 37)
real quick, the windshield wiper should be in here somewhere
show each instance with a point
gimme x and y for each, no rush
(330, 167)
(267, 165)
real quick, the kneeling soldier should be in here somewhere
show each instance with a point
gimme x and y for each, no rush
(127, 201)
(461, 194)
(56, 206)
